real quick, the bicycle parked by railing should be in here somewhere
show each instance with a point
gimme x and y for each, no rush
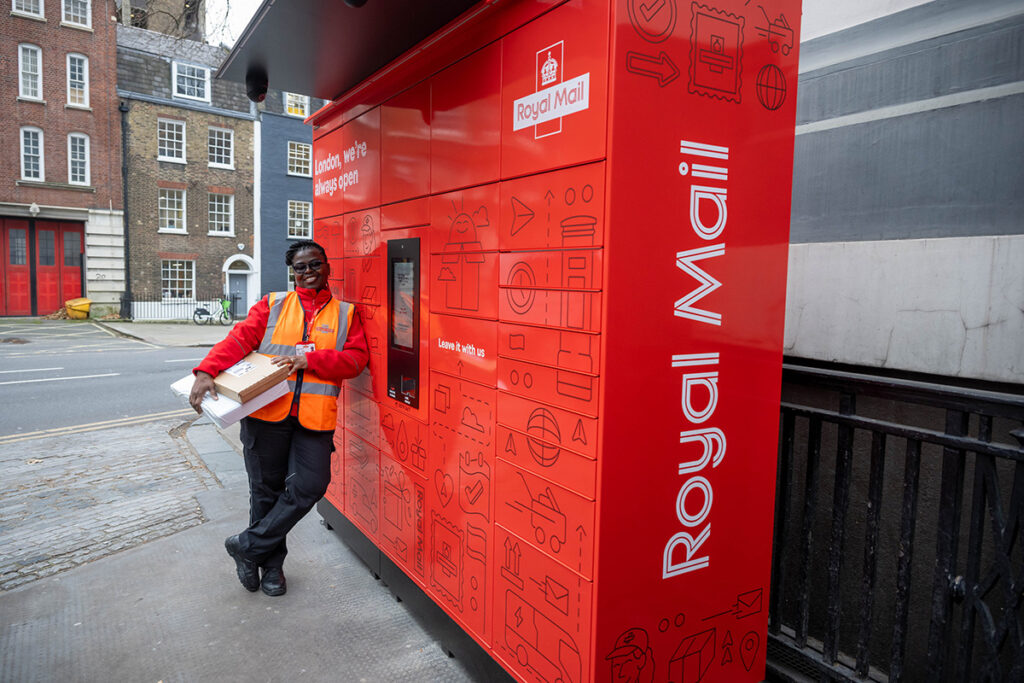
(203, 316)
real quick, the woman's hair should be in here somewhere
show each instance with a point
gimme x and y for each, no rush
(295, 247)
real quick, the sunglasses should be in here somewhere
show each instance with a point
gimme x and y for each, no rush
(303, 267)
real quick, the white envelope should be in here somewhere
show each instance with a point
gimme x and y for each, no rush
(226, 411)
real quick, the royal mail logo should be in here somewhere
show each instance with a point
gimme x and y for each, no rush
(554, 98)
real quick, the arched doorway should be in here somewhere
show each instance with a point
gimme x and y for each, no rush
(238, 275)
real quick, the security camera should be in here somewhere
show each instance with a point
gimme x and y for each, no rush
(355, 3)
(256, 83)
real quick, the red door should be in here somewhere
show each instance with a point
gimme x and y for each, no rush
(17, 278)
(71, 264)
(47, 271)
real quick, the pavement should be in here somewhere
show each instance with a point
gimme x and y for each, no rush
(112, 566)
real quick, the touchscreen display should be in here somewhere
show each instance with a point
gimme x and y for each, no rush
(402, 315)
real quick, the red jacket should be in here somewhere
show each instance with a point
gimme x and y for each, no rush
(329, 364)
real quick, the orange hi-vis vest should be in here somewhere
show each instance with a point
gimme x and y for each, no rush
(318, 397)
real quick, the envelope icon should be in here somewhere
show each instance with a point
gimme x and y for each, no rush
(748, 604)
(557, 595)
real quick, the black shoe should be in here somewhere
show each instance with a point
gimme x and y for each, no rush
(273, 581)
(248, 571)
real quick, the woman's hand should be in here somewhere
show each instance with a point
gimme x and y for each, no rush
(202, 384)
(293, 363)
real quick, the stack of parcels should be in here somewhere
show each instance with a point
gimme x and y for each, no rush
(242, 389)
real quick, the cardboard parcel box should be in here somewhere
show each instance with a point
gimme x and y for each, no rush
(226, 411)
(249, 377)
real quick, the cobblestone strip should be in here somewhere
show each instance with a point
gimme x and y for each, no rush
(75, 498)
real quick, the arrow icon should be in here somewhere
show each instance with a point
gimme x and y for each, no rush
(521, 215)
(660, 67)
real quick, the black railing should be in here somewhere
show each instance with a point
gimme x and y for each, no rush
(879, 481)
(156, 307)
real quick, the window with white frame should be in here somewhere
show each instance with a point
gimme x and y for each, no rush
(221, 147)
(222, 214)
(78, 159)
(32, 154)
(177, 278)
(30, 70)
(171, 209)
(300, 224)
(77, 12)
(296, 105)
(78, 80)
(30, 7)
(299, 154)
(191, 81)
(170, 140)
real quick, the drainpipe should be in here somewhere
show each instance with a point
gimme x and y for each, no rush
(127, 296)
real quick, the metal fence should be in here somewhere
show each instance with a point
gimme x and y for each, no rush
(143, 307)
(897, 549)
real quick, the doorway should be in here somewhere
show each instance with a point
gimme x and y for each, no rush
(41, 266)
(239, 271)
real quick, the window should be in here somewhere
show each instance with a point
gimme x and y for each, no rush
(170, 137)
(32, 154)
(78, 80)
(190, 81)
(177, 278)
(72, 249)
(222, 214)
(221, 147)
(46, 245)
(172, 210)
(18, 245)
(299, 154)
(30, 7)
(78, 159)
(77, 12)
(296, 105)
(30, 68)
(299, 224)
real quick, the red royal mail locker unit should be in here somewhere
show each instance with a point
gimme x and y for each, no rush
(565, 226)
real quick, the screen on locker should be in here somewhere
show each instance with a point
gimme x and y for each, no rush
(403, 310)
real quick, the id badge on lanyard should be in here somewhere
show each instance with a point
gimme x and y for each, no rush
(303, 349)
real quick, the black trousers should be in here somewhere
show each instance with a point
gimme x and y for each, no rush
(289, 469)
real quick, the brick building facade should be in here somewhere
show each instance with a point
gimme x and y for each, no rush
(190, 197)
(61, 222)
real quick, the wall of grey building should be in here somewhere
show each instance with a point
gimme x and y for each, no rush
(908, 193)
(276, 188)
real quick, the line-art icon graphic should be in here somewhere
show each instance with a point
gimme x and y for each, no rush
(540, 645)
(716, 53)
(543, 438)
(462, 258)
(546, 517)
(747, 605)
(445, 486)
(555, 593)
(778, 32)
(632, 660)
(522, 277)
(661, 68)
(510, 567)
(474, 484)
(653, 20)
(574, 354)
(693, 657)
(749, 646)
(447, 553)
(726, 649)
(521, 215)
(771, 87)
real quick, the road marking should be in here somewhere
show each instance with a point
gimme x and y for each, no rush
(184, 360)
(94, 426)
(58, 379)
(7, 372)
